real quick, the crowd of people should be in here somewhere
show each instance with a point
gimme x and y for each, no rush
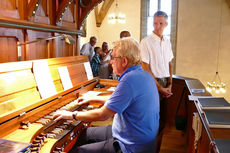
(100, 57)
(139, 103)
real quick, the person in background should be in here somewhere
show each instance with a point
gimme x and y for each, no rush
(88, 48)
(96, 61)
(105, 69)
(125, 33)
(134, 105)
(157, 58)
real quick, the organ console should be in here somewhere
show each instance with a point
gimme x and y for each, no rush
(25, 116)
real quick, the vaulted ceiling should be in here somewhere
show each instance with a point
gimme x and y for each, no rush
(100, 14)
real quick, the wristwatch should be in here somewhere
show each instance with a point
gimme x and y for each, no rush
(75, 115)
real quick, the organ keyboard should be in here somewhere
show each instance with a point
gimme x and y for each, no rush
(27, 117)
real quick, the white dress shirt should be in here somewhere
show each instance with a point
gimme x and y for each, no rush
(87, 49)
(157, 53)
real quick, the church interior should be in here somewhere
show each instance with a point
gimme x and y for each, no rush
(49, 34)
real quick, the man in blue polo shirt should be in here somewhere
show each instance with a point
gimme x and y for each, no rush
(135, 104)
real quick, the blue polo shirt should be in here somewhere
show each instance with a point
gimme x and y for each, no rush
(136, 103)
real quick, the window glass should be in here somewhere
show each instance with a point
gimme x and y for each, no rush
(150, 25)
(167, 30)
(166, 6)
(153, 6)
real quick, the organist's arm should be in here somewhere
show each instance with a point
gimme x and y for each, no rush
(100, 114)
(96, 99)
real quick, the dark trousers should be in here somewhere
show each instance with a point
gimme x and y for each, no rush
(99, 140)
(163, 109)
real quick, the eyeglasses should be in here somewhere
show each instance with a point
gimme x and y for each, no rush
(113, 57)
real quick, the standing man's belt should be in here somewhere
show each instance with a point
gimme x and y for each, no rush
(162, 79)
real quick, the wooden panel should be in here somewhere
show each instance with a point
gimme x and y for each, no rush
(16, 14)
(15, 66)
(23, 135)
(68, 15)
(8, 49)
(44, 5)
(109, 82)
(17, 87)
(52, 11)
(63, 11)
(9, 13)
(37, 50)
(41, 19)
(9, 4)
(172, 102)
(75, 68)
(190, 132)
(203, 145)
(63, 49)
(32, 5)
(41, 13)
(11, 33)
(8, 9)
(9, 104)
(16, 83)
(220, 133)
(77, 73)
(67, 60)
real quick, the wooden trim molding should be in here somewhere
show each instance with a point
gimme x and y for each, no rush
(15, 23)
(100, 15)
(84, 12)
(32, 7)
(85, 3)
(61, 9)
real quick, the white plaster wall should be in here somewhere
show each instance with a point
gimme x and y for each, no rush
(111, 32)
(198, 38)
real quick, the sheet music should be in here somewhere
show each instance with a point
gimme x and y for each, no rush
(88, 70)
(111, 89)
(91, 94)
(65, 78)
(43, 79)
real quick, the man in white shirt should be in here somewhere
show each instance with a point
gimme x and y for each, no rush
(157, 55)
(88, 48)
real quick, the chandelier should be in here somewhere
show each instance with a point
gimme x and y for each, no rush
(116, 17)
(217, 85)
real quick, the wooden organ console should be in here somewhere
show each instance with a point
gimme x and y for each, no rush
(27, 117)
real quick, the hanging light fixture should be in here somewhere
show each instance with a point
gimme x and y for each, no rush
(217, 85)
(116, 17)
